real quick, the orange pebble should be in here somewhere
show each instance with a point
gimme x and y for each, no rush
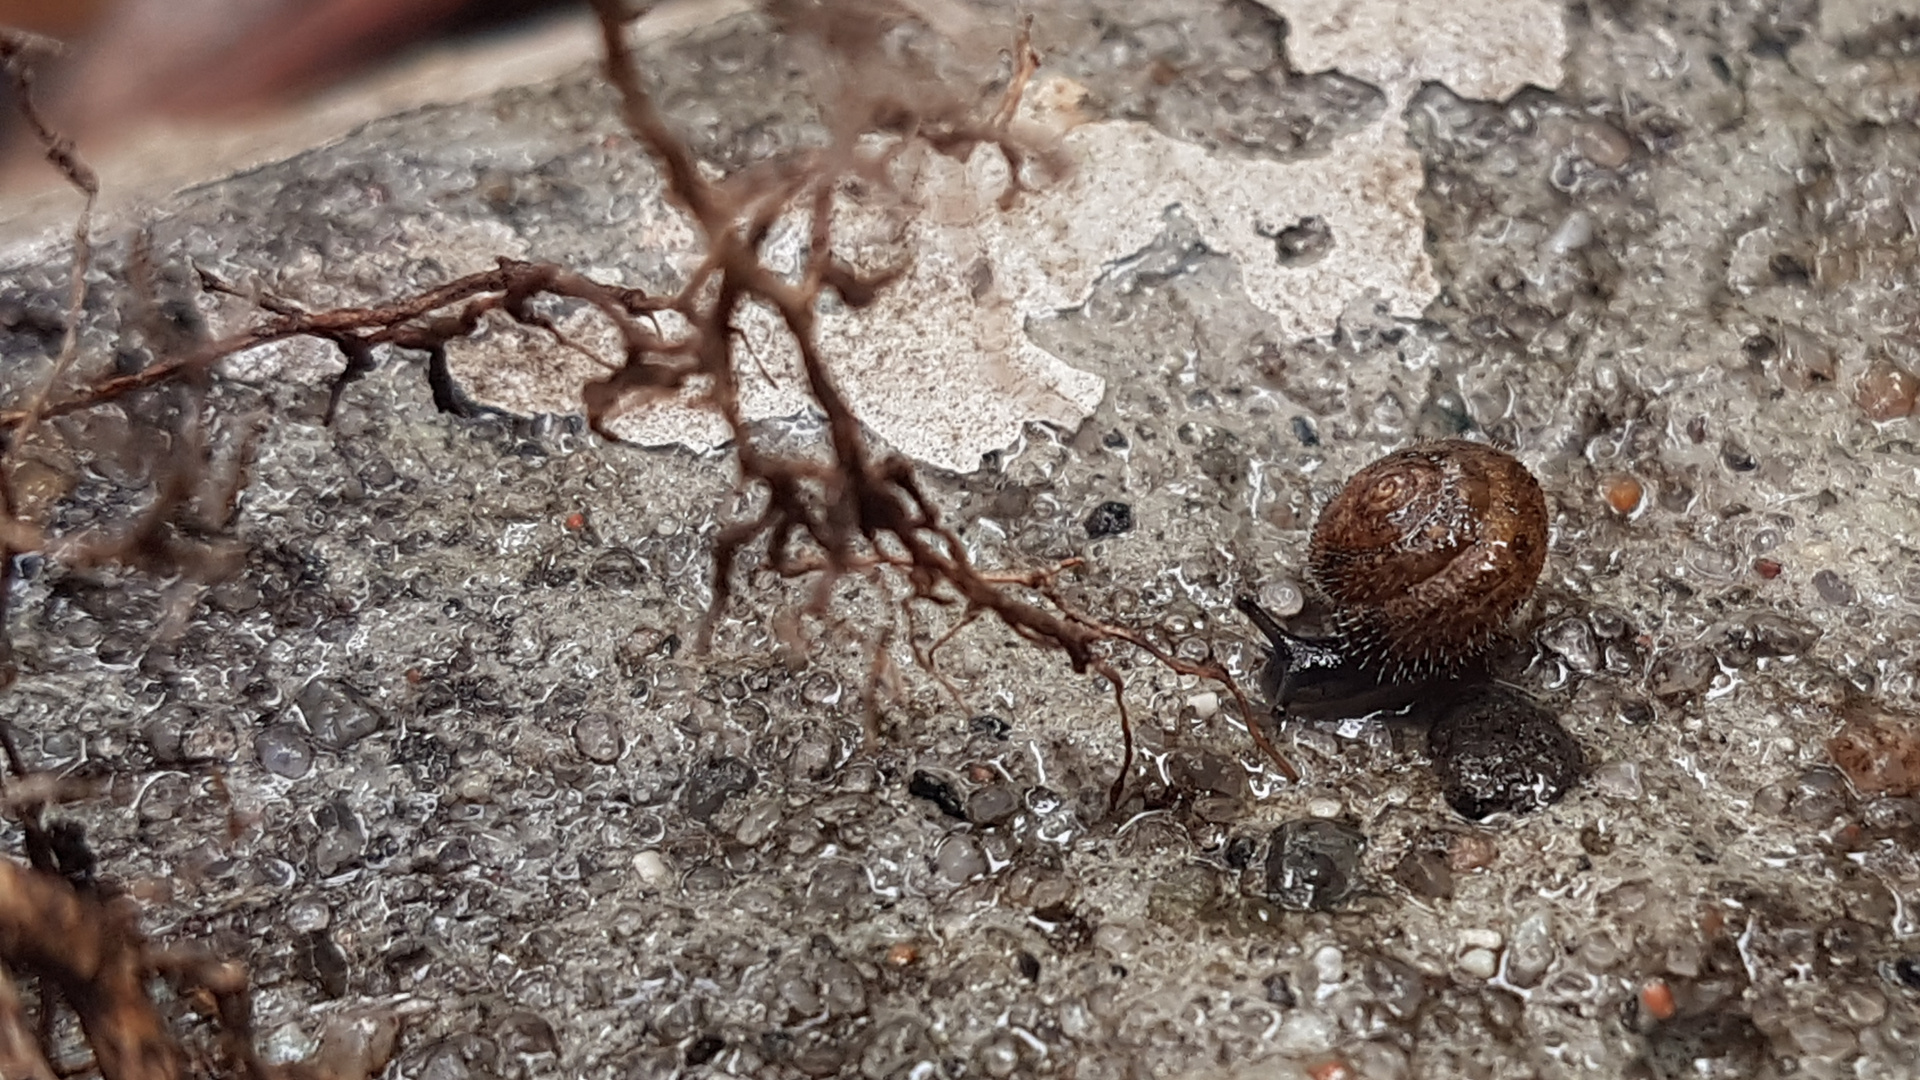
(902, 954)
(1622, 492)
(1331, 1069)
(1766, 568)
(576, 521)
(1657, 998)
(1712, 920)
(1886, 391)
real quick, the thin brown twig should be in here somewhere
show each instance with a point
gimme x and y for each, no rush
(92, 952)
(20, 1056)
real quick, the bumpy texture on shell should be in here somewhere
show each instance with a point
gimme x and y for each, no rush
(1428, 552)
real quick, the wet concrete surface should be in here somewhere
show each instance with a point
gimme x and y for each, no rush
(484, 781)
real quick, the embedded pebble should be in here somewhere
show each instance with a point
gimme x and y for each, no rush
(1479, 963)
(1497, 751)
(759, 822)
(1109, 519)
(597, 737)
(284, 751)
(1116, 940)
(652, 869)
(1879, 752)
(959, 860)
(1471, 851)
(939, 791)
(165, 797)
(1329, 964)
(999, 1058)
(712, 784)
(994, 804)
(308, 916)
(1618, 780)
(336, 714)
(1602, 144)
(342, 838)
(1864, 1007)
(1766, 634)
(1425, 874)
(1834, 589)
(1313, 865)
(1886, 391)
(1532, 951)
(1572, 640)
(1681, 673)
(1623, 493)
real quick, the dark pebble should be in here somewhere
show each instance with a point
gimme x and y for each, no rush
(1637, 713)
(991, 726)
(526, 1033)
(1906, 972)
(324, 962)
(1425, 874)
(711, 785)
(1765, 634)
(337, 715)
(939, 792)
(1497, 750)
(1313, 865)
(1834, 589)
(705, 1049)
(1279, 992)
(616, 569)
(1110, 519)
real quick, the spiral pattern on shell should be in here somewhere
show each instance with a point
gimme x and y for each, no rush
(1427, 553)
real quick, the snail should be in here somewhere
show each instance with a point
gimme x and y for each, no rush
(1422, 559)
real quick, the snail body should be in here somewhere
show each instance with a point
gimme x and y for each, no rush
(1422, 559)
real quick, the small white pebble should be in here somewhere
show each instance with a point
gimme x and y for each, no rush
(1479, 963)
(652, 869)
(1323, 808)
(1205, 704)
(1329, 964)
(1479, 937)
(1575, 231)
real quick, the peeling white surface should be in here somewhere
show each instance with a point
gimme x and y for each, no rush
(1478, 48)
(941, 367)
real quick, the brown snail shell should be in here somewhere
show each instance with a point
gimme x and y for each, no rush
(1427, 553)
